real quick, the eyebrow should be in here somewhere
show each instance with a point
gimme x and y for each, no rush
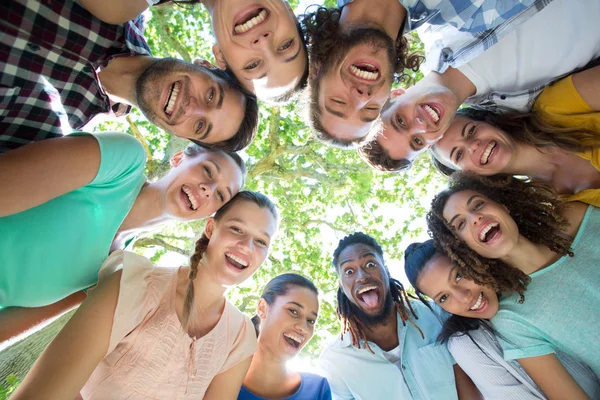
(336, 113)
(364, 255)
(464, 129)
(468, 204)
(449, 277)
(302, 307)
(244, 222)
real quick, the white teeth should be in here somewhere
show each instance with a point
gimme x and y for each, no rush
(485, 230)
(245, 27)
(486, 154)
(296, 338)
(478, 303)
(366, 289)
(190, 196)
(432, 112)
(371, 76)
(237, 259)
(170, 106)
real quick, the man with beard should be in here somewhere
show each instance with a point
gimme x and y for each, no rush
(562, 38)
(60, 67)
(387, 346)
(356, 50)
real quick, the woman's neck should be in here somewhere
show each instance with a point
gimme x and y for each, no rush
(147, 212)
(530, 257)
(268, 376)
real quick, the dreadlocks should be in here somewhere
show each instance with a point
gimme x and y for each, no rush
(347, 311)
(533, 206)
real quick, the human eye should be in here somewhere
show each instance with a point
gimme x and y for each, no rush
(471, 131)
(286, 45)
(252, 65)
(338, 101)
(199, 126)
(208, 172)
(312, 321)
(418, 141)
(370, 264)
(211, 95)
(459, 155)
(458, 277)
(236, 229)
(443, 298)
(262, 243)
(478, 205)
(399, 120)
(460, 225)
(348, 272)
(293, 311)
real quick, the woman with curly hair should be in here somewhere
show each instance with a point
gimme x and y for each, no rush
(558, 142)
(150, 332)
(470, 337)
(520, 240)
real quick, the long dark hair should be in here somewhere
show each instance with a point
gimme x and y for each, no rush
(530, 129)
(202, 244)
(280, 286)
(416, 257)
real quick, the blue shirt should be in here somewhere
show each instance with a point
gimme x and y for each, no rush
(425, 369)
(312, 387)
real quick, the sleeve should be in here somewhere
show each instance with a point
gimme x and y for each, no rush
(244, 344)
(587, 196)
(122, 159)
(338, 388)
(485, 370)
(519, 339)
(326, 391)
(135, 293)
(561, 98)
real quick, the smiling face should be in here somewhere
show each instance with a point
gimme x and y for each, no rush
(239, 242)
(289, 323)
(197, 186)
(476, 146)
(364, 278)
(259, 41)
(441, 281)
(416, 118)
(355, 82)
(189, 101)
(484, 225)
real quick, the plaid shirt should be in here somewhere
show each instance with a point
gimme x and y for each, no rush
(50, 52)
(456, 31)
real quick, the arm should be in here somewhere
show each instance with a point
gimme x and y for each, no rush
(115, 12)
(34, 174)
(16, 320)
(65, 366)
(587, 84)
(226, 385)
(554, 380)
(465, 387)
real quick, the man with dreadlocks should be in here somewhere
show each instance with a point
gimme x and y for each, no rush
(387, 347)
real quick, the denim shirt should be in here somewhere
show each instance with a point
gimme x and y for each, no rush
(426, 368)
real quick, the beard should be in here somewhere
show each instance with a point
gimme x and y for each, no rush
(345, 40)
(148, 87)
(371, 320)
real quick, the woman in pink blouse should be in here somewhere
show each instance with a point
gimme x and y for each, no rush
(149, 332)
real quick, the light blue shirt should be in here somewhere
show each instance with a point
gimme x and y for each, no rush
(425, 370)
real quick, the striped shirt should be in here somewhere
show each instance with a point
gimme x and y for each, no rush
(50, 53)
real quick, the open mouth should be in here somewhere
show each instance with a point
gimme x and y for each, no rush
(365, 71)
(486, 155)
(432, 112)
(236, 261)
(369, 295)
(293, 339)
(479, 304)
(190, 198)
(250, 20)
(489, 232)
(172, 98)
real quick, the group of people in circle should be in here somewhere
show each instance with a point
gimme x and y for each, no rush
(505, 291)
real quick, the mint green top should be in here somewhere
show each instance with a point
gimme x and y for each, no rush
(57, 248)
(562, 305)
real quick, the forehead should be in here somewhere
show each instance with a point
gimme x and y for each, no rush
(258, 219)
(355, 252)
(434, 275)
(457, 202)
(396, 144)
(229, 170)
(281, 77)
(301, 295)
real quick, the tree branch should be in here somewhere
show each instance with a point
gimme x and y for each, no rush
(138, 135)
(159, 16)
(146, 242)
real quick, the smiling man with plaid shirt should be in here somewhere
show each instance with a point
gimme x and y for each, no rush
(60, 66)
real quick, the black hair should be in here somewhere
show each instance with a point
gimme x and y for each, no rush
(280, 286)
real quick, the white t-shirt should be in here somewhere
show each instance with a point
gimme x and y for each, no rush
(562, 37)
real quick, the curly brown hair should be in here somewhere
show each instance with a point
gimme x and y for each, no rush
(322, 34)
(379, 159)
(531, 129)
(534, 207)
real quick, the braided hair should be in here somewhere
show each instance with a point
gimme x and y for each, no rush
(536, 210)
(346, 310)
(202, 244)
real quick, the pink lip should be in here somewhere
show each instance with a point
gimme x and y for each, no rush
(492, 240)
(233, 267)
(244, 15)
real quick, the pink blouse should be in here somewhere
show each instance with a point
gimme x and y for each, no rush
(149, 355)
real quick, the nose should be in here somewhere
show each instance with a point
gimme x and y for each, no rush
(302, 326)
(206, 191)
(194, 107)
(362, 93)
(476, 218)
(262, 39)
(474, 145)
(362, 274)
(464, 295)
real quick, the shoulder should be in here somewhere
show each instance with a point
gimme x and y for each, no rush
(239, 327)
(316, 385)
(313, 379)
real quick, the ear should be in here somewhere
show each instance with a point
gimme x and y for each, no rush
(176, 159)
(210, 227)
(204, 63)
(219, 57)
(262, 308)
(397, 92)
